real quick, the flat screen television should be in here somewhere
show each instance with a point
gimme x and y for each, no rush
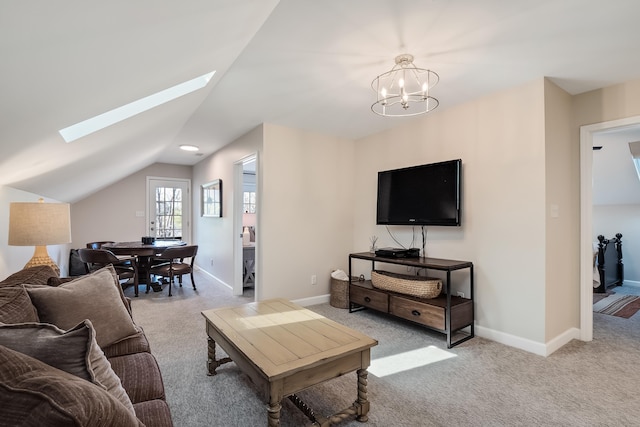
(420, 195)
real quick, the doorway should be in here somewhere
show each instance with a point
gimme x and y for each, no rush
(168, 208)
(587, 134)
(246, 210)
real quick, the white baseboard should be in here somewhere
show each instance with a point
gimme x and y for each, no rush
(320, 299)
(631, 283)
(534, 347)
(202, 270)
(562, 339)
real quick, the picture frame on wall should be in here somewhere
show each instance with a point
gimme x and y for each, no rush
(211, 199)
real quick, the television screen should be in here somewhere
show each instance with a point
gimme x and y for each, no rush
(420, 195)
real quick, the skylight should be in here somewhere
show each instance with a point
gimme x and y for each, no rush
(124, 112)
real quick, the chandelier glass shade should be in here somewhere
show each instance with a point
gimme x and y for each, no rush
(404, 90)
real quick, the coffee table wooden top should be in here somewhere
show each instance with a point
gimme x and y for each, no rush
(281, 337)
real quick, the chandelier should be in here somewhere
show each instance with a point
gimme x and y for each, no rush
(404, 90)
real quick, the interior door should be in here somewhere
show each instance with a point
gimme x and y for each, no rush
(243, 168)
(169, 208)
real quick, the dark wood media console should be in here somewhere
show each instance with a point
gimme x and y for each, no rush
(446, 314)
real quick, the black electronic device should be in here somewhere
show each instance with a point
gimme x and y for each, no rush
(420, 195)
(398, 252)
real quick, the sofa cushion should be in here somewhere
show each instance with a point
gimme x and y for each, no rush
(33, 393)
(15, 305)
(134, 344)
(33, 275)
(97, 296)
(154, 413)
(140, 376)
(74, 351)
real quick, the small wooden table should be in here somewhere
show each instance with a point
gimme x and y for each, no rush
(249, 262)
(285, 348)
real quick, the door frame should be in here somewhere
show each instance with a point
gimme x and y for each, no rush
(238, 169)
(186, 199)
(586, 218)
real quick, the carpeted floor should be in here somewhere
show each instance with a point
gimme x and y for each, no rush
(413, 381)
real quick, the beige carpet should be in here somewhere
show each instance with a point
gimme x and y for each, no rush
(414, 379)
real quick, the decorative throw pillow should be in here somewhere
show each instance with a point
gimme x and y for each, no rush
(74, 351)
(97, 297)
(33, 393)
(15, 305)
(57, 281)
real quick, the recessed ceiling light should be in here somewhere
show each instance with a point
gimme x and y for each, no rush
(119, 114)
(187, 147)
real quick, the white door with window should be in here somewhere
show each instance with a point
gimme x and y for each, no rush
(169, 208)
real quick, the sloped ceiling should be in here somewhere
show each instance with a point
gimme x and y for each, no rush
(301, 63)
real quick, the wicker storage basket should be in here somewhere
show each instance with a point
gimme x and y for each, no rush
(418, 286)
(339, 293)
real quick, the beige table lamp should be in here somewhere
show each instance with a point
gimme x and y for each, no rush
(39, 224)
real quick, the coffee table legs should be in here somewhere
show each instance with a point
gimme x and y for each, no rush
(362, 404)
(273, 412)
(212, 362)
(359, 408)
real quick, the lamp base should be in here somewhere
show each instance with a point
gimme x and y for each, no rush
(41, 257)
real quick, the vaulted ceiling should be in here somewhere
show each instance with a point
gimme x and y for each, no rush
(300, 63)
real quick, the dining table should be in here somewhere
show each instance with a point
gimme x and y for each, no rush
(144, 252)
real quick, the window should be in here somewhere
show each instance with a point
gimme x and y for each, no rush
(168, 212)
(249, 202)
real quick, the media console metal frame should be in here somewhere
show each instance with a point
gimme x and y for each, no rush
(438, 264)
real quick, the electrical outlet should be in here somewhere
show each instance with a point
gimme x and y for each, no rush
(314, 279)
(461, 294)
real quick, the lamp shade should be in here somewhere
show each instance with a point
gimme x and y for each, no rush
(39, 224)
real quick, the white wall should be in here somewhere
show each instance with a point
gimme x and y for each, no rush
(500, 139)
(214, 236)
(305, 195)
(13, 258)
(562, 208)
(110, 214)
(306, 212)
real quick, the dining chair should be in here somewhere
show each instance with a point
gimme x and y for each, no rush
(174, 264)
(124, 259)
(125, 267)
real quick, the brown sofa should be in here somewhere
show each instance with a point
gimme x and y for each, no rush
(71, 355)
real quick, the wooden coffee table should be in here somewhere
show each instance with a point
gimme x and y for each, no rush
(285, 348)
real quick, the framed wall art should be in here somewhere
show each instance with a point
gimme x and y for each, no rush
(211, 199)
